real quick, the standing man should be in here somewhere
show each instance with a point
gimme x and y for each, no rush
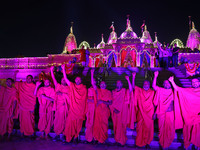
(119, 110)
(46, 96)
(77, 108)
(188, 102)
(27, 102)
(144, 114)
(91, 104)
(175, 55)
(8, 101)
(61, 104)
(102, 111)
(164, 101)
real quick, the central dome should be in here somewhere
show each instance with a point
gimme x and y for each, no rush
(128, 33)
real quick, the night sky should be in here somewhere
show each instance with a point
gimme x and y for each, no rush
(40, 27)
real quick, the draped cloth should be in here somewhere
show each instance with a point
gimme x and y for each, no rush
(7, 97)
(45, 109)
(102, 114)
(90, 114)
(77, 111)
(27, 102)
(189, 101)
(120, 120)
(163, 100)
(61, 108)
(144, 116)
(132, 108)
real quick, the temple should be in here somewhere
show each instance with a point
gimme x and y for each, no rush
(126, 50)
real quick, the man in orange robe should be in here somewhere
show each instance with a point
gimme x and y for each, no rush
(91, 103)
(119, 110)
(102, 111)
(27, 102)
(60, 104)
(132, 107)
(144, 114)
(8, 101)
(77, 108)
(46, 96)
(164, 100)
(188, 102)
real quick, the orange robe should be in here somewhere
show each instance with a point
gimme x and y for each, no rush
(77, 111)
(132, 108)
(45, 109)
(27, 102)
(120, 120)
(7, 97)
(163, 100)
(144, 116)
(189, 102)
(61, 108)
(102, 113)
(90, 114)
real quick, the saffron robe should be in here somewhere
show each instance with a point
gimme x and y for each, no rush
(102, 114)
(144, 116)
(45, 109)
(61, 108)
(77, 111)
(7, 97)
(163, 100)
(90, 114)
(120, 120)
(27, 102)
(188, 100)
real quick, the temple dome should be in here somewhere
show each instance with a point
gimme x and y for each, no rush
(128, 33)
(102, 44)
(70, 42)
(193, 40)
(146, 38)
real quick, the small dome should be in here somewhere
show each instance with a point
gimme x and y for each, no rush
(102, 44)
(156, 42)
(128, 34)
(70, 42)
(85, 44)
(193, 40)
(146, 38)
(178, 42)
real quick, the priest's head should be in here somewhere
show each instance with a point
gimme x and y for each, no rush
(63, 82)
(47, 83)
(166, 84)
(9, 82)
(119, 84)
(78, 80)
(146, 85)
(102, 85)
(195, 83)
(29, 79)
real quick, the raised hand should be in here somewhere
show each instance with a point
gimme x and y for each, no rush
(156, 74)
(171, 79)
(127, 78)
(92, 71)
(63, 66)
(52, 68)
(133, 74)
(38, 83)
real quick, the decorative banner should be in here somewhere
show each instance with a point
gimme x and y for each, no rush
(69, 68)
(191, 68)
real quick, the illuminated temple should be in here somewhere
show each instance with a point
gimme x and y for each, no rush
(125, 50)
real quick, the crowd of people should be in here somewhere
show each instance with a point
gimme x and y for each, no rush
(167, 56)
(67, 104)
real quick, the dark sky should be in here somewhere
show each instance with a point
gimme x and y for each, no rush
(39, 27)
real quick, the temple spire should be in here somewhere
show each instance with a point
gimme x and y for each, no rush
(71, 28)
(112, 26)
(193, 26)
(156, 38)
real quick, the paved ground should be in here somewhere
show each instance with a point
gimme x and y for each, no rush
(28, 144)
